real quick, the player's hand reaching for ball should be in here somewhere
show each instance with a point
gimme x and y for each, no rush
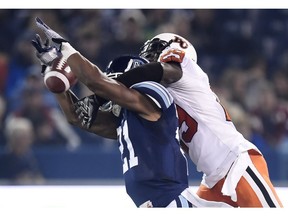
(47, 53)
(53, 56)
(59, 45)
(52, 36)
(44, 52)
(58, 76)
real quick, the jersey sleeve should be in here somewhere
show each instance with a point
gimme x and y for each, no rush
(158, 93)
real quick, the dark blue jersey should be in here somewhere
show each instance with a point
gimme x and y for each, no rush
(154, 166)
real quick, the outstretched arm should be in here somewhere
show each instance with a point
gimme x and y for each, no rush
(66, 101)
(90, 75)
(110, 89)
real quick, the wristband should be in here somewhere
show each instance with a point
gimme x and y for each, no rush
(67, 50)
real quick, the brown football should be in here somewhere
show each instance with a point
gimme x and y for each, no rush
(59, 78)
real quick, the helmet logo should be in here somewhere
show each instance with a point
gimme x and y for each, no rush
(183, 44)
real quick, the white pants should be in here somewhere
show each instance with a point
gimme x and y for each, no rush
(198, 202)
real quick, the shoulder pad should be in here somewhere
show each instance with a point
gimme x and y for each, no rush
(158, 93)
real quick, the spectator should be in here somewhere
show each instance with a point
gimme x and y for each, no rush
(226, 40)
(18, 164)
(50, 127)
(19, 66)
(2, 118)
(128, 35)
(245, 125)
(4, 61)
(271, 112)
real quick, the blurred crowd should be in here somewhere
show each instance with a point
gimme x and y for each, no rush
(243, 51)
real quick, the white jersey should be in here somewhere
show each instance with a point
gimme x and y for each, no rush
(205, 127)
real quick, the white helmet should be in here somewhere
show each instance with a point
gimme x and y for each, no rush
(152, 49)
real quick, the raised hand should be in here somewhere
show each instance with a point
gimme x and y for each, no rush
(53, 36)
(44, 52)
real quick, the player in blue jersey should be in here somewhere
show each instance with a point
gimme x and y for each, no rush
(154, 166)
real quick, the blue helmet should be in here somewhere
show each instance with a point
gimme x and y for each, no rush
(115, 68)
(121, 64)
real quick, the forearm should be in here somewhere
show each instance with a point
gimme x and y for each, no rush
(66, 101)
(92, 77)
(87, 73)
(148, 72)
(105, 125)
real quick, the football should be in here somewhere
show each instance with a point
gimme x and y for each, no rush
(58, 78)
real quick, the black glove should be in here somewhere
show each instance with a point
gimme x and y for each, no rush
(86, 109)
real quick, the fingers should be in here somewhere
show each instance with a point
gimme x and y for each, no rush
(78, 110)
(43, 69)
(41, 24)
(80, 107)
(37, 43)
(85, 123)
(37, 46)
(50, 34)
(81, 115)
(45, 28)
(38, 38)
(88, 125)
(46, 44)
(86, 110)
(85, 120)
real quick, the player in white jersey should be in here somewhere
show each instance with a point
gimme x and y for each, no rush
(234, 169)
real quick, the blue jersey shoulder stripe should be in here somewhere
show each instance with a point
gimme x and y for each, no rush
(156, 91)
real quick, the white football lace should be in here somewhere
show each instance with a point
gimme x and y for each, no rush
(61, 63)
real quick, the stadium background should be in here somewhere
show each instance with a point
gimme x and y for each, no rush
(244, 52)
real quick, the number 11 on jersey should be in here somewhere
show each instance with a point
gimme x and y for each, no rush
(133, 159)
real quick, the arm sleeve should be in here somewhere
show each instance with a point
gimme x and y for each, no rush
(149, 72)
